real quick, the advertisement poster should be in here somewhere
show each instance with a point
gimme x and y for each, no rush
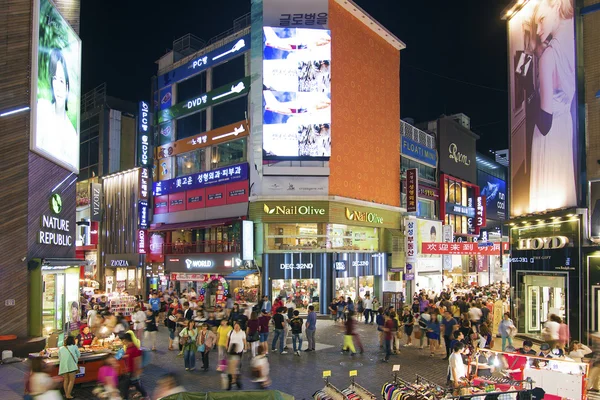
(56, 89)
(543, 117)
(428, 231)
(296, 93)
(494, 190)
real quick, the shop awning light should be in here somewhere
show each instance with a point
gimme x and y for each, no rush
(15, 111)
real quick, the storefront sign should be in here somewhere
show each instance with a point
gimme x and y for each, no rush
(232, 173)
(545, 243)
(142, 241)
(206, 139)
(363, 216)
(462, 248)
(293, 210)
(457, 209)
(339, 265)
(247, 240)
(296, 266)
(457, 150)
(195, 66)
(144, 149)
(455, 155)
(429, 192)
(144, 183)
(202, 101)
(359, 263)
(299, 14)
(411, 240)
(96, 202)
(54, 230)
(198, 263)
(447, 237)
(292, 186)
(189, 277)
(119, 263)
(143, 214)
(418, 152)
(412, 189)
(480, 210)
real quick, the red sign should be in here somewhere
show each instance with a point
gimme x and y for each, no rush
(161, 204)
(237, 192)
(480, 210)
(142, 241)
(94, 232)
(216, 196)
(177, 202)
(463, 248)
(195, 199)
(412, 189)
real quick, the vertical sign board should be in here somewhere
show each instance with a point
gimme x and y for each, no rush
(412, 189)
(142, 241)
(411, 240)
(143, 208)
(247, 240)
(447, 237)
(480, 209)
(96, 212)
(144, 145)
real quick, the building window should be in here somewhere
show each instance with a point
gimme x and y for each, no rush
(228, 153)
(230, 112)
(192, 87)
(425, 172)
(191, 163)
(321, 237)
(191, 125)
(426, 209)
(228, 72)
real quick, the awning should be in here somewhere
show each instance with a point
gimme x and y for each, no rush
(239, 275)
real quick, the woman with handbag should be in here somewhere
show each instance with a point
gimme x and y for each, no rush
(252, 332)
(187, 338)
(68, 357)
(206, 341)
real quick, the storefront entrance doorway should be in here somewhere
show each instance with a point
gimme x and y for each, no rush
(541, 294)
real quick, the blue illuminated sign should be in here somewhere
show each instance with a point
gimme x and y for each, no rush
(495, 191)
(231, 173)
(420, 153)
(202, 63)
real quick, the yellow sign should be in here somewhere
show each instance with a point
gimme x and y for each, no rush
(354, 373)
(293, 210)
(326, 374)
(363, 216)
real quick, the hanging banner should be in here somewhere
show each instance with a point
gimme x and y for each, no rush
(412, 189)
(411, 240)
(463, 248)
(447, 237)
(96, 201)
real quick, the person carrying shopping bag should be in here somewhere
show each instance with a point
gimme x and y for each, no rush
(188, 338)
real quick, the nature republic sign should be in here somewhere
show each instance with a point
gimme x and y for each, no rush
(53, 229)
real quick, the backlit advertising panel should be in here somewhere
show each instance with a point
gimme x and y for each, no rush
(56, 88)
(544, 137)
(494, 190)
(296, 93)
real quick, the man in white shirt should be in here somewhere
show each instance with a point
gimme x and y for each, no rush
(456, 369)
(368, 305)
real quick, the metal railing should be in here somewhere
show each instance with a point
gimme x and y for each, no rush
(207, 246)
(417, 135)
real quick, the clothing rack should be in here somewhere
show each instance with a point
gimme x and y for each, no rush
(329, 392)
(361, 391)
(421, 380)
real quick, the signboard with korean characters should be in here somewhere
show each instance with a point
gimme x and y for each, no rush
(463, 248)
(293, 13)
(411, 240)
(412, 189)
(232, 173)
(206, 139)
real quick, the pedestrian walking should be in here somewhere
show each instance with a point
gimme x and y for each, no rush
(133, 368)
(279, 323)
(296, 328)
(260, 369)
(507, 330)
(360, 308)
(408, 322)
(151, 328)
(139, 322)
(188, 338)
(449, 325)
(433, 333)
(388, 328)
(39, 384)
(252, 333)
(206, 342)
(222, 341)
(263, 330)
(68, 358)
(380, 320)
(233, 366)
(237, 339)
(368, 312)
(311, 327)
(349, 335)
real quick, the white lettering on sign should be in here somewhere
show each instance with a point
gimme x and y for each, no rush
(144, 111)
(293, 210)
(144, 147)
(199, 62)
(119, 263)
(545, 243)
(457, 156)
(198, 101)
(95, 200)
(198, 263)
(54, 238)
(360, 263)
(55, 223)
(296, 266)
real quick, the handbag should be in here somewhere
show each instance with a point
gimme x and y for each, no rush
(183, 340)
(202, 348)
(253, 336)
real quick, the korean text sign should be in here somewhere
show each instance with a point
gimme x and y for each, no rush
(232, 173)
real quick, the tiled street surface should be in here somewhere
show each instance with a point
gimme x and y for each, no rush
(299, 376)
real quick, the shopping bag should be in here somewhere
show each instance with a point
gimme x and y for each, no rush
(418, 334)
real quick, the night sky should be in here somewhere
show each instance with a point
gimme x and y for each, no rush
(455, 59)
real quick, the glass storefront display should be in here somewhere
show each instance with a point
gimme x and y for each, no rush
(60, 291)
(191, 163)
(321, 237)
(303, 292)
(347, 286)
(228, 153)
(540, 294)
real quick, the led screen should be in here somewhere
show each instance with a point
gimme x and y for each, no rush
(494, 190)
(296, 93)
(56, 88)
(543, 117)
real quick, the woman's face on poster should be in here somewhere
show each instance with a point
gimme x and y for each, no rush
(59, 84)
(546, 20)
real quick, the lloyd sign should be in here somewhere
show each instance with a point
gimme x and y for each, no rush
(543, 243)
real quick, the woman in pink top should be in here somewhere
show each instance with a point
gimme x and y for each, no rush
(108, 377)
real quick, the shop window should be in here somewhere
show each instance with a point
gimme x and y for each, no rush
(354, 287)
(230, 112)
(191, 125)
(224, 154)
(426, 209)
(303, 292)
(321, 237)
(425, 172)
(446, 190)
(191, 163)
(465, 195)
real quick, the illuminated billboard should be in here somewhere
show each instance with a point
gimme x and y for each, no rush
(494, 190)
(544, 137)
(56, 88)
(296, 93)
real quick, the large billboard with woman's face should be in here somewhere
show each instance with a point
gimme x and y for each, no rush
(56, 79)
(544, 137)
